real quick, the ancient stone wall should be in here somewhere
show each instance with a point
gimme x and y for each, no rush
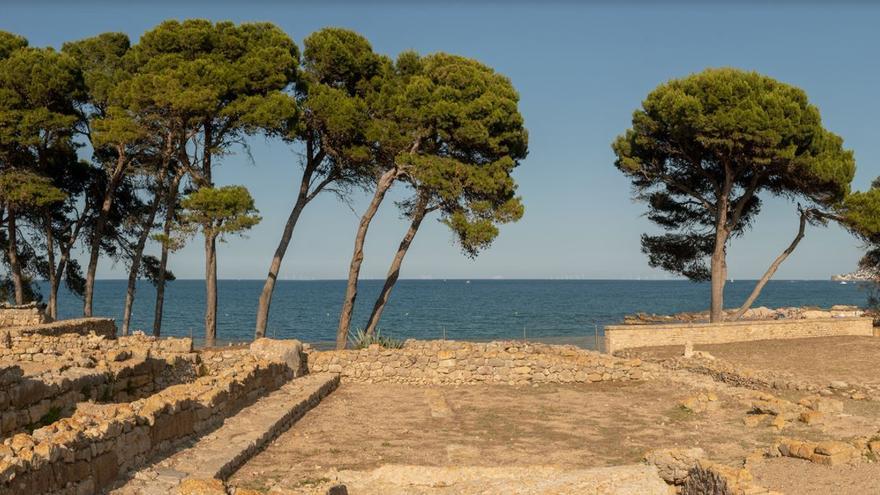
(20, 336)
(100, 442)
(23, 315)
(619, 337)
(42, 378)
(454, 362)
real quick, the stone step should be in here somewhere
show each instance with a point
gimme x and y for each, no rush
(219, 453)
(636, 479)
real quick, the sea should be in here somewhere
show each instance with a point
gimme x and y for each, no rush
(570, 311)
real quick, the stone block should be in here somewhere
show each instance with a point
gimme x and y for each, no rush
(287, 352)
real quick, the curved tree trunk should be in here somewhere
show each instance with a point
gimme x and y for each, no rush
(12, 253)
(772, 269)
(210, 291)
(302, 199)
(418, 214)
(160, 293)
(51, 308)
(136, 264)
(385, 182)
(55, 283)
(275, 267)
(170, 206)
(100, 224)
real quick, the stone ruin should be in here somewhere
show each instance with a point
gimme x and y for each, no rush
(22, 315)
(456, 362)
(80, 408)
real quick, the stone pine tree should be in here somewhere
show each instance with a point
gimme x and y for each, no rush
(20, 191)
(225, 82)
(38, 88)
(861, 215)
(114, 133)
(161, 274)
(157, 168)
(442, 114)
(704, 150)
(217, 213)
(473, 137)
(340, 72)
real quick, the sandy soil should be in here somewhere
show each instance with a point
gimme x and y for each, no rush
(818, 360)
(797, 477)
(362, 426)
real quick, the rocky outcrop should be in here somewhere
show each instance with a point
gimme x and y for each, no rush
(673, 465)
(829, 453)
(860, 275)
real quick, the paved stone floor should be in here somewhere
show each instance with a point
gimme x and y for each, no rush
(217, 454)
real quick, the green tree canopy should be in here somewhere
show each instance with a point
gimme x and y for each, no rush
(703, 149)
(473, 136)
(38, 91)
(460, 137)
(218, 212)
(338, 128)
(22, 189)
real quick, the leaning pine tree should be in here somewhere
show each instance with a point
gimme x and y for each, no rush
(336, 129)
(704, 149)
(464, 165)
(426, 115)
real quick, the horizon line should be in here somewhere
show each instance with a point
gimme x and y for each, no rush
(488, 279)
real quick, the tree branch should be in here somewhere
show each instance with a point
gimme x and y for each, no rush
(805, 215)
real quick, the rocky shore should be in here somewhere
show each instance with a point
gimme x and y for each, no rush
(860, 275)
(759, 313)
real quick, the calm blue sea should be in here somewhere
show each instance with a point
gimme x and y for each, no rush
(458, 309)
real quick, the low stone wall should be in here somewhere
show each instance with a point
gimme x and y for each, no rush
(44, 378)
(87, 452)
(619, 337)
(454, 362)
(104, 327)
(23, 315)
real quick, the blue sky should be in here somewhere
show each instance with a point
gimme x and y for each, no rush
(581, 71)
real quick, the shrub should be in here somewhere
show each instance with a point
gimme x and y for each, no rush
(361, 339)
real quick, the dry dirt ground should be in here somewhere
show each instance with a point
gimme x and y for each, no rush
(797, 477)
(364, 426)
(854, 360)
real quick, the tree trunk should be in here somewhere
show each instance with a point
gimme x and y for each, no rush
(56, 283)
(719, 270)
(14, 262)
(302, 199)
(52, 307)
(136, 263)
(418, 215)
(100, 224)
(719, 252)
(385, 182)
(773, 267)
(210, 291)
(170, 207)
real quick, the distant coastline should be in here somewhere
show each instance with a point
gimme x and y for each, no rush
(860, 275)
